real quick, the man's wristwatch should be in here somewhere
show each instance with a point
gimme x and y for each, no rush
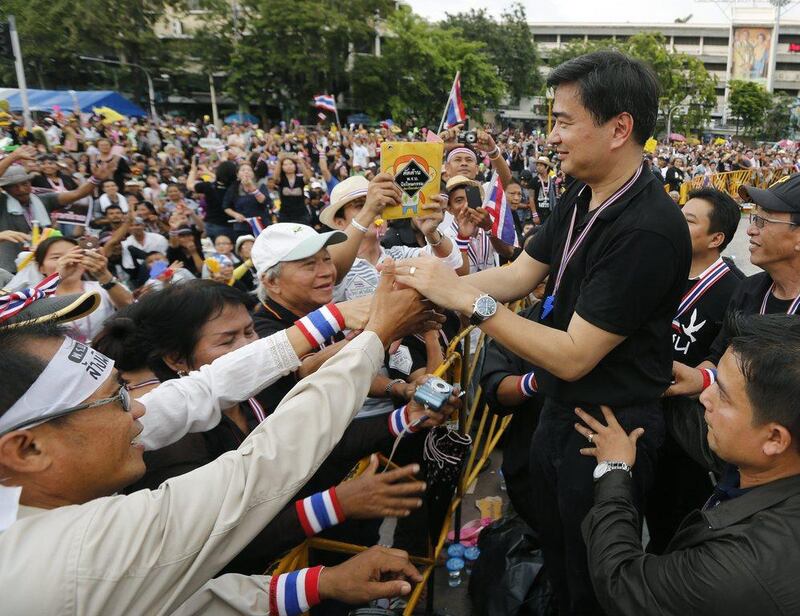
(483, 308)
(110, 284)
(603, 467)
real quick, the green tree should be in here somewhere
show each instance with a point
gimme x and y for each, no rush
(778, 122)
(687, 88)
(749, 103)
(54, 34)
(412, 77)
(509, 46)
(288, 50)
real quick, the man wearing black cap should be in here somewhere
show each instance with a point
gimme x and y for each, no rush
(774, 247)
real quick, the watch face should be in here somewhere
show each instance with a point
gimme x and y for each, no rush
(485, 306)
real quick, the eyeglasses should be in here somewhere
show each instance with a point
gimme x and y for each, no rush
(123, 397)
(760, 221)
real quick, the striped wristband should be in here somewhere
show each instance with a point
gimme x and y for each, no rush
(293, 593)
(93, 180)
(319, 511)
(709, 376)
(321, 325)
(527, 385)
(462, 243)
(399, 422)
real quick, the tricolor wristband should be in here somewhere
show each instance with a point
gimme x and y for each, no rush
(95, 181)
(319, 511)
(462, 242)
(254, 193)
(399, 422)
(527, 385)
(709, 376)
(321, 325)
(294, 593)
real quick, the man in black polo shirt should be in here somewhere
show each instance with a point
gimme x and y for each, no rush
(774, 247)
(618, 252)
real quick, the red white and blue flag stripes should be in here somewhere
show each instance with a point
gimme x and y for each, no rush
(708, 279)
(326, 102)
(321, 325)
(399, 422)
(13, 303)
(502, 215)
(319, 511)
(255, 225)
(455, 113)
(293, 593)
(527, 385)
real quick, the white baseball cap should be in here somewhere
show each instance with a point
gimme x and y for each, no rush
(288, 241)
(343, 193)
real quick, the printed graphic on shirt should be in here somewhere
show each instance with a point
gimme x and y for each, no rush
(683, 336)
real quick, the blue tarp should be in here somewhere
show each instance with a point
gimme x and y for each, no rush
(46, 100)
(241, 118)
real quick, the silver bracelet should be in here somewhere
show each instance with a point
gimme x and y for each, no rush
(441, 239)
(358, 226)
(390, 385)
(494, 153)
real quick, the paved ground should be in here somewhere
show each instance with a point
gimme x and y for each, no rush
(739, 251)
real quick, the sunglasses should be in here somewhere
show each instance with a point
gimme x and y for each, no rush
(760, 221)
(123, 397)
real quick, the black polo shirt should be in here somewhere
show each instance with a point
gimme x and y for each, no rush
(747, 299)
(696, 329)
(627, 278)
(268, 318)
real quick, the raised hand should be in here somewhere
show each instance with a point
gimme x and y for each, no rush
(377, 495)
(376, 573)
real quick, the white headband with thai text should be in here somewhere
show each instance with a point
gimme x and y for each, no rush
(73, 374)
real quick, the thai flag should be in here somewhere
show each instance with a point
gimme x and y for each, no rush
(388, 123)
(326, 102)
(16, 302)
(455, 105)
(501, 213)
(256, 225)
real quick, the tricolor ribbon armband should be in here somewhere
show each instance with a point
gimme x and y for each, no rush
(399, 422)
(319, 511)
(321, 325)
(462, 242)
(709, 376)
(527, 385)
(294, 593)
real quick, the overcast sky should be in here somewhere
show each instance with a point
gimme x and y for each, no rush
(613, 11)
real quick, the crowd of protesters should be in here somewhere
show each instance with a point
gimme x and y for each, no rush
(236, 290)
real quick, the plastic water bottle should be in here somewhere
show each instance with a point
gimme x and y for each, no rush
(456, 550)
(454, 568)
(470, 556)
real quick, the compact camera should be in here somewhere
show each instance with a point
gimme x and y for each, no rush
(433, 393)
(468, 136)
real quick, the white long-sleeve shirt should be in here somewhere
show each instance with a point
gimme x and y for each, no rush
(151, 551)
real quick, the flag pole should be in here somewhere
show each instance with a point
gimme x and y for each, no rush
(449, 97)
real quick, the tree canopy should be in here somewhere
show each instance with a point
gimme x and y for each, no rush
(687, 88)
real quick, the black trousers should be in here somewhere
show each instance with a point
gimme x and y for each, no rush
(562, 485)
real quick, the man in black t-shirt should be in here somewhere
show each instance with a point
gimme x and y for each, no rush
(774, 247)
(216, 220)
(617, 251)
(682, 484)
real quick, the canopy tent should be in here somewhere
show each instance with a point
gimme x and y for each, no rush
(48, 100)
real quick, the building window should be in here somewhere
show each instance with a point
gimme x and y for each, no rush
(687, 40)
(545, 38)
(599, 37)
(787, 66)
(716, 66)
(788, 39)
(718, 41)
(568, 38)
